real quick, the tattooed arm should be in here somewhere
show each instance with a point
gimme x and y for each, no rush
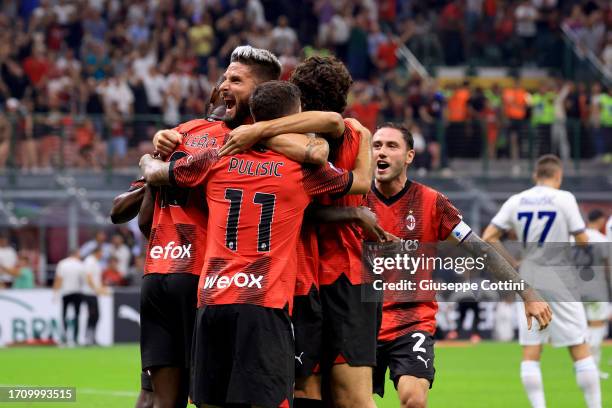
(301, 148)
(501, 269)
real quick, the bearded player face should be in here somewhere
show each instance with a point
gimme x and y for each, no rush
(236, 90)
(391, 154)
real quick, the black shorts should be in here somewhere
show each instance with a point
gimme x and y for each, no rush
(145, 382)
(411, 354)
(168, 304)
(350, 325)
(242, 354)
(307, 321)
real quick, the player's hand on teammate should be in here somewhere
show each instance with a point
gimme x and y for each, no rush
(241, 139)
(536, 307)
(369, 225)
(165, 141)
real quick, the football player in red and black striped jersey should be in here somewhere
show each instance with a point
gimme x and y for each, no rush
(413, 211)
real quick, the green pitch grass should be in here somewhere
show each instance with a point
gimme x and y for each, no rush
(486, 375)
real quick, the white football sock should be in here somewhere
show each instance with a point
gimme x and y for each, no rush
(587, 377)
(596, 337)
(531, 376)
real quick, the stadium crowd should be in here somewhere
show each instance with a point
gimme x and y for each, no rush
(86, 83)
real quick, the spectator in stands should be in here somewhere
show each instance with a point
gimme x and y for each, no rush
(107, 49)
(118, 137)
(595, 119)
(416, 108)
(491, 125)
(451, 30)
(559, 141)
(336, 32)
(172, 101)
(605, 108)
(593, 34)
(122, 253)
(8, 261)
(542, 104)
(85, 137)
(155, 84)
(515, 100)
(365, 106)
(37, 66)
(476, 130)
(69, 280)
(457, 117)
(526, 16)
(434, 126)
(573, 121)
(422, 159)
(493, 114)
(202, 36)
(284, 38)
(358, 62)
(21, 128)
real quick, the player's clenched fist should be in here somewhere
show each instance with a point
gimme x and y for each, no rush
(166, 140)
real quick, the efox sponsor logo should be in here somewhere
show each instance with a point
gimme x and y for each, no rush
(171, 251)
(240, 280)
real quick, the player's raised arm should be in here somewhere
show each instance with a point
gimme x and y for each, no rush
(244, 137)
(126, 205)
(300, 148)
(363, 172)
(147, 208)
(502, 270)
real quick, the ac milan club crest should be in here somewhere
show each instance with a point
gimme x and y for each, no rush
(410, 221)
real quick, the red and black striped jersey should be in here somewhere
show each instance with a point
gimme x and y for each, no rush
(340, 245)
(178, 231)
(308, 260)
(418, 213)
(256, 203)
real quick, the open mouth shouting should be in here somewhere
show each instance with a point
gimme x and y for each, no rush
(230, 105)
(382, 166)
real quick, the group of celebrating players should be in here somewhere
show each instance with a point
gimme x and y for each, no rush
(256, 217)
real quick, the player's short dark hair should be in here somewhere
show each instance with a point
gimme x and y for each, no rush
(264, 65)
(595, 215)
(403, 130)
(274, 99)
(547, 166)
(324, 83)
